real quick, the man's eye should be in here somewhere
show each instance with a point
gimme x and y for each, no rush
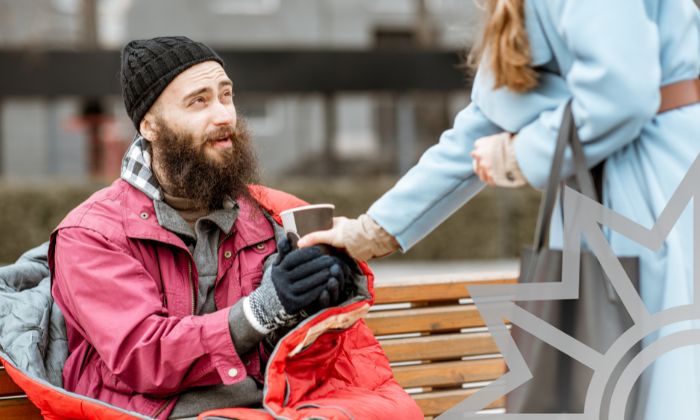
(197, 100)
(228, 93)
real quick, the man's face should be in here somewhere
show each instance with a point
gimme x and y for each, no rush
(203, 152)
(199, 104)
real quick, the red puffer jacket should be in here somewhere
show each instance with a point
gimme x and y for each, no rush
(330, 366)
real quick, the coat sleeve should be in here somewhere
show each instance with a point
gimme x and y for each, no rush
(613, 80)
(114, 303)
(441, 182)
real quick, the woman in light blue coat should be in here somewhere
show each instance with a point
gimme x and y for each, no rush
(610, 58)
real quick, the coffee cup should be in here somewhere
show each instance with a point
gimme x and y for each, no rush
(301, 221)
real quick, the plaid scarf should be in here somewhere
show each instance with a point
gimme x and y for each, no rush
(136, 169)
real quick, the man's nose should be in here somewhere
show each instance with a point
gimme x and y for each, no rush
(223, 114)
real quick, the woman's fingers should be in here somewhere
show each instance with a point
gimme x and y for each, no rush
(485, 175)
(482, 164)
(316, 238)
(332, 236)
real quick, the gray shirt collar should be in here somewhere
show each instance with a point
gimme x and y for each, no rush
(170, 219)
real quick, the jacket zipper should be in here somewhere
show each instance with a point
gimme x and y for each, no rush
(194, 297)
(162, 407)
(189, 270)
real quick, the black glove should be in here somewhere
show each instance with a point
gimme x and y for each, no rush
(338, 285)
(300, 276)
(296, 279)
(331, 294)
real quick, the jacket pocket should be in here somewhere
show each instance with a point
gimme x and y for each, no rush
(251, 281)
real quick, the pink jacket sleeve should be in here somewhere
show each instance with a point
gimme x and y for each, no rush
(113, 302)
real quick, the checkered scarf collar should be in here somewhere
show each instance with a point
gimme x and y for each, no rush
(136, 169)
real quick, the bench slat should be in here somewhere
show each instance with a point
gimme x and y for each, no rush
(444, 346)
(449, 373)
(19, 409)
(421, 289)
(7, 386)
(431, 319)
(434, 403)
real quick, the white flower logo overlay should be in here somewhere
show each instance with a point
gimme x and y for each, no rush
(612, 381)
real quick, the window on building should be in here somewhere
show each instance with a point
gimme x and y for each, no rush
(244, 7)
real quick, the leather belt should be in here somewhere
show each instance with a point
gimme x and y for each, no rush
(679, 94)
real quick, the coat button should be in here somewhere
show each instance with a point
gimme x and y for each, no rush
(510, 176)
(144, 215)
(260, 246)
(227, 254)
(233, 372)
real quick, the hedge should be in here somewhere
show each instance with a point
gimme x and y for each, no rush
(495, 224)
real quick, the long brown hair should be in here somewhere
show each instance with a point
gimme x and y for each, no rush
(505, 45)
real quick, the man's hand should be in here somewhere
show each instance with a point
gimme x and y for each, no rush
(362, 238)
(300, 276)
(341, 276)
(297, 279)
(494, 161)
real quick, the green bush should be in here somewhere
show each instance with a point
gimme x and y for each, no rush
(495, 224)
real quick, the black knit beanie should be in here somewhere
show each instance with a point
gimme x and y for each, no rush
(149, 65)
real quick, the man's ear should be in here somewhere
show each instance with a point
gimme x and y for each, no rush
(148, 127)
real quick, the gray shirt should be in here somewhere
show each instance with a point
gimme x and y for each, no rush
(203, 243)
(202, 239)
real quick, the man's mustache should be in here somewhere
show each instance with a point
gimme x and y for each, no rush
(223, 132)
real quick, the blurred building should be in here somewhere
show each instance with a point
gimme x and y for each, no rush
(61, 137)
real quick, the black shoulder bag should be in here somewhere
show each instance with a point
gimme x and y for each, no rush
(597, 318)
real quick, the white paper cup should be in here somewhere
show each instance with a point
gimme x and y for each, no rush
(304, 220)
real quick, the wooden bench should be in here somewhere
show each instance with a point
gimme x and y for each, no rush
(14, 405)
(433, 335)
(437, 343)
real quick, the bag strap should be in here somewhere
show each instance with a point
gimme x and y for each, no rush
(567, 134)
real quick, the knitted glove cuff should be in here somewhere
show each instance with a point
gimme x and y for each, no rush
(264, 310)
(256, 316)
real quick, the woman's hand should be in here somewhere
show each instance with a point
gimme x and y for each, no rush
(362, 238)
(494, 161)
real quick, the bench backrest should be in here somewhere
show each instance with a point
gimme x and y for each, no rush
(436, 341)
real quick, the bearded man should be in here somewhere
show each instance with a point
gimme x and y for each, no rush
(175, 280)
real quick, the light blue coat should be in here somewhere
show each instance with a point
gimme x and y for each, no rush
(611, 57)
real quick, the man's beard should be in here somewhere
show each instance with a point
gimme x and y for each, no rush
(190, 173)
